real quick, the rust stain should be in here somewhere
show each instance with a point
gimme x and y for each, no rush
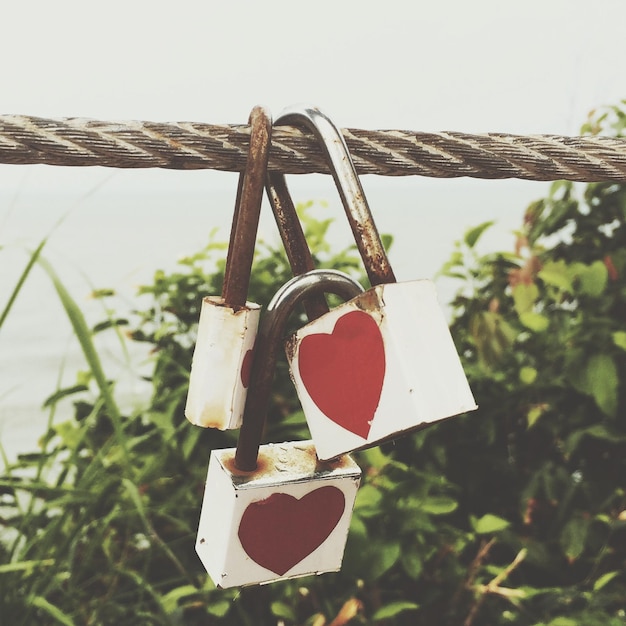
(208, 422)
(368, 300)
(291, 347)
(330, 465)
(264, 465)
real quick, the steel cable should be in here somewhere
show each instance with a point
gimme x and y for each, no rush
(187, 145)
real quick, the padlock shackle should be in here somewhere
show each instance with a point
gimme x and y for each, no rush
(247, 210)
(295, 244)
(349, 186)
(268, 341)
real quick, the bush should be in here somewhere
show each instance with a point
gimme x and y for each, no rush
(515, 514)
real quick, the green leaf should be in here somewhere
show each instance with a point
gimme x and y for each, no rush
(63, 393)
(70, 433)
(102, 293)
(375, 457)
(573, 537)
(593, 279)
(602, 381)
(52, 610)
(556, 274)
(357, 526)
(171, 599)
(604, 580)
(108, 324)
(524, 297)
(412, 563)
(25, 566)
(493, 336)
(473, 234)
(528, 375)
(219, 608)
(395, 608)
(563, 621)
(385, 557)
(488, 524)
(534, 321)
(280, 609)
(597, 431)
(619, 339)
(367, 497)
(438, 505)
(534, 413)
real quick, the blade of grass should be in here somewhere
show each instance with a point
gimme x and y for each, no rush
(25, 566)
(131, 490)
(22, 279)
(53, 611)
(83, 334)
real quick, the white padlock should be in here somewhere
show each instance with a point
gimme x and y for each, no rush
(376, 366)
(383, 363)
(227, 329)
(288, 518)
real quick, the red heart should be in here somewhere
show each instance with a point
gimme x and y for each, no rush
(343, 372)
(280, 531)
(246, 368)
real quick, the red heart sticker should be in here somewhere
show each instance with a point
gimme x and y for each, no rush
(280, 531)
(246, 368)
(343, 372)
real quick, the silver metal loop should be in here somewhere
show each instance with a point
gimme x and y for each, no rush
(268, 341)
(349, 186)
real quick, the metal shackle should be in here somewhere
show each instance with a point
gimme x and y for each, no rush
(349, 186)
(268, 341)
(293, 238)
(247, 210)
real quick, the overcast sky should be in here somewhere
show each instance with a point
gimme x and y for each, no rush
(485, 65)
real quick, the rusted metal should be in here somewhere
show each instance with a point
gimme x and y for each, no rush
(349, 186)
(294, 240)
(266, 351)
(247, 210)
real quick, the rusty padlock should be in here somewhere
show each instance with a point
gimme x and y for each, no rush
(228, 324)
(383, 363)
(275, 511)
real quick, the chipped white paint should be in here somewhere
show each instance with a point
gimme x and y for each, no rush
(288, 471)
(217, 393)
(423, 378)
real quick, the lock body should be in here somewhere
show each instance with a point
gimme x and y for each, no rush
(220, 370)
(376, 366)
(228, 325)
(288, 518)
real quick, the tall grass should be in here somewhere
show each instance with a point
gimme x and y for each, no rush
(63, 486)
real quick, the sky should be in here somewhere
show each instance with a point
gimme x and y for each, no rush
(486, 65)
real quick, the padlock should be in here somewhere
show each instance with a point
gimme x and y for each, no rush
(383, 363)
(275, 511)
(228, 324)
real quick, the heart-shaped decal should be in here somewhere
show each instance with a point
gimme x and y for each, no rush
(280, 531)
(343, 372)
(246, 368)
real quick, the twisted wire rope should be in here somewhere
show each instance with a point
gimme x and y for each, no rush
(191, 145)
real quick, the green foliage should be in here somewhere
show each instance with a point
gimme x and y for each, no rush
(514, 514)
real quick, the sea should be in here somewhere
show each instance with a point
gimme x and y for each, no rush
(114, 232)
